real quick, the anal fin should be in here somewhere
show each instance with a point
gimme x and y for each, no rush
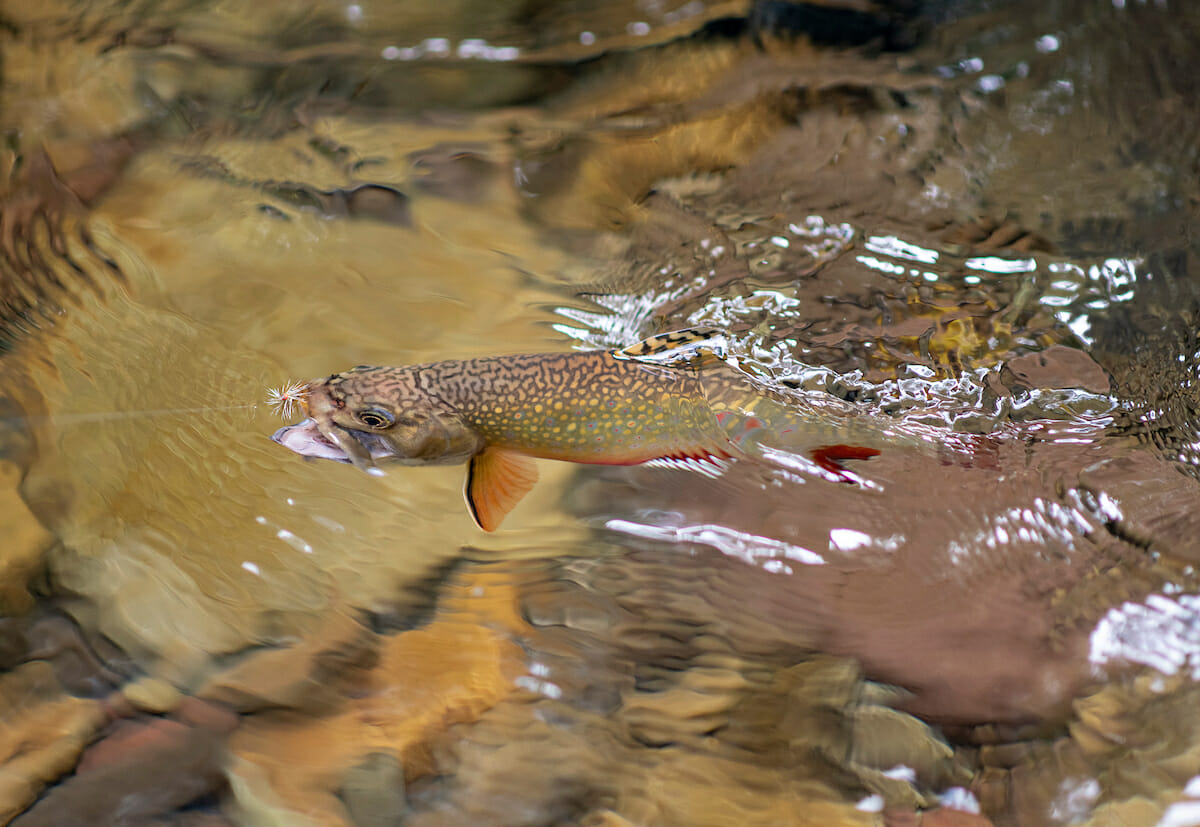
(496, 482)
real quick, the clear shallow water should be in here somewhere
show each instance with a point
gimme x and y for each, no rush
(980, 243)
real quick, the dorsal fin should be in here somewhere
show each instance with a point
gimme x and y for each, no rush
(691, 346)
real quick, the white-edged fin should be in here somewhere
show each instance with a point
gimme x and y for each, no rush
(709, 466)
(692, 346)
(496, 482)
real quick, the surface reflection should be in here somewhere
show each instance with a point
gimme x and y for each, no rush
(941, 263)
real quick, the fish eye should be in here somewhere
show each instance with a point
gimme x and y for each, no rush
(375, 418)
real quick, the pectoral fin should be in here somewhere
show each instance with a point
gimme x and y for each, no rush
(496, 482)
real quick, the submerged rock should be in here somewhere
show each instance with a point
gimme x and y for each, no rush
(316, 769)
(310, 675)
(43, 734)
(172, 767)
(26, 541)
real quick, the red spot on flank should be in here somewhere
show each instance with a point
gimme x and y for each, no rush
(830, 457)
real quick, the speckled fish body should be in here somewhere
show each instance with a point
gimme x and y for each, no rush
(600, 407)
(748, 412)
(580, 407)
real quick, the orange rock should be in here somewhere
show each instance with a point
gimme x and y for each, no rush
(287, 763)
(490, 597)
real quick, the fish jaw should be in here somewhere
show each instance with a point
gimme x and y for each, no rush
(306, 440)
(350, 444)
(309, 439)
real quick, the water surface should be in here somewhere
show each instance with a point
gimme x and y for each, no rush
(970, 223)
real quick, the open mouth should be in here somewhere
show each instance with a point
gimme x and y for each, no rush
(306, 439)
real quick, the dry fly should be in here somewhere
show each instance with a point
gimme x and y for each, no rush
(286, 399)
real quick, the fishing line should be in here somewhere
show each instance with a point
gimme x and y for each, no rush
(109, 416)
(283, 401)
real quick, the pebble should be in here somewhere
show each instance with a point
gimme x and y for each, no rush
(152, 695)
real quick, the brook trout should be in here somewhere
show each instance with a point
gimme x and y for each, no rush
(623, 407)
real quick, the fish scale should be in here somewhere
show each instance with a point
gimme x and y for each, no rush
(580, 407)
(668, 401)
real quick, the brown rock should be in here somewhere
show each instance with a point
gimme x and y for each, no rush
(941, 817)
(127, 740)
(303, 676)
(900, 818)
(25, 540)
(42, 735)
(1058, 366)
(169, 773)
(373, 791)
(152, 695)
(206, 715)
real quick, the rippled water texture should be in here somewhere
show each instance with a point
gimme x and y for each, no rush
(957, 233)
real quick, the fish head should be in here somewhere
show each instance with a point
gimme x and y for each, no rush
(367, 414)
